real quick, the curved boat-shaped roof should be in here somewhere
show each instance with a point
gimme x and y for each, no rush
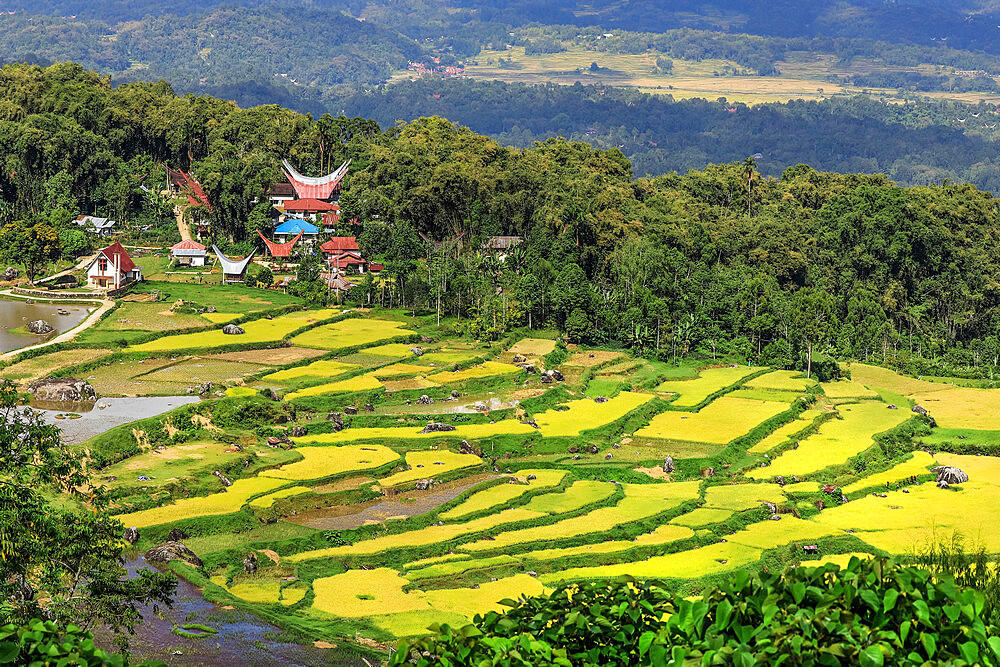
(231, 266)
(280, 249)
(314, 187)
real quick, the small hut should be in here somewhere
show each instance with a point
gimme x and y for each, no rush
(233, 271)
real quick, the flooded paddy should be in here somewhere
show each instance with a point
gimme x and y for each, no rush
(15, 315)
(105, 414)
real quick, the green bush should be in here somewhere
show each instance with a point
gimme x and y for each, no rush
(44, 643)
(871, 613)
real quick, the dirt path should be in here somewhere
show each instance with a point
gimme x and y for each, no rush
(82, 264)
(182, 226)
(90, 321)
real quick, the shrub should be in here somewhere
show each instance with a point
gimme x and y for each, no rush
(44, 643)
(873, 612)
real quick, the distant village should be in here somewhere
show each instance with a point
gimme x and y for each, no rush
(305, 209)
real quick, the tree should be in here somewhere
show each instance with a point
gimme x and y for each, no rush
(577, 326)
(812, 319)
(67, 552)
(74, 243)
(33, 244)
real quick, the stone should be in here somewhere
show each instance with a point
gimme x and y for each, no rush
(11, 274)
(573, 449)
(668, 464)
(176, 535)
(222, 478)
(437, 427)
(519, 359)
(424, 400)
(892, 406)
(40, 327)
(481, 407)
(601, 399)
(426, 340)
(708, 472)
(576, 457)
(250, 563)
(770, 507)
(233, 330)
(70, 390)
(272, 394)
(369, 407)
(350, 410)
(417, 351)
(593, 449)
(546, 378)
(464, 447)
(920, 410)
(454, 393)
(555, 375)
(951, 475)
(297, 432)
(131, 535)
(210, 309)
(942, 484)
(775, 517)
(609, 456)
(531, 477)
(779, 480)
(171, 550)
(204, 388)
(528, 368)
(423, 484)
(62, 311)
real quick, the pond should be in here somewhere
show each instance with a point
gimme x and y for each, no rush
(81, 421)
(14, 315)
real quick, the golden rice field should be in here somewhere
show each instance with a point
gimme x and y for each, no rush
(483, 370)
(836, 440)
(257, 331)
(710, 380)
(504, 493)
(462, 546)
(584, 414)
(721, 421)
(425, 464)
(350, 333)
(318, 369)
(322, 462)
(231, 501)
(357, 383)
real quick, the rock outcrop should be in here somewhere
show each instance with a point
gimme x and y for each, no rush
(131, 535)
(233, 330)
(168, 551)
(951, 475)
(11, 274)
(68, 390)
(668, 464)
(40, 327)
(437, 427)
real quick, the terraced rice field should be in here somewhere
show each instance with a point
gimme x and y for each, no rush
(351, 333)
(710, 380)
(721, 421)
(346, 501)
(836, 441)
(257, 331)
(584, 414)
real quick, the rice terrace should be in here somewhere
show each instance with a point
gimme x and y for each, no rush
(460, 474)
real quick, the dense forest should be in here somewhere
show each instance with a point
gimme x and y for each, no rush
(916, 144)
(721, 259)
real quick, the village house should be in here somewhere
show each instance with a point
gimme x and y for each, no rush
(296, 226)
(233, 270)
(189, 253)
(279, 193)
(309, 208)
(112, 268)
(342, 255)
(95, 224)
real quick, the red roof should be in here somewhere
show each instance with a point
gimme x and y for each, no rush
(188, 245)
(309, 205)
(340, 244)
(280, 249)
(192, 189)
(125, 263)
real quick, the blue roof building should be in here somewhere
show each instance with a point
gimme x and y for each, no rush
(290, 228)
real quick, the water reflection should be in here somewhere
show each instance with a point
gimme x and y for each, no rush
(15, 315)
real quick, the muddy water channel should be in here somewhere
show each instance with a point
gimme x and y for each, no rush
(14, 315)
(242, 639)
(82, 421)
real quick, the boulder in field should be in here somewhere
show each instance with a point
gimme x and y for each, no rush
(131, 535)
(11, 274)
(168, 551)
(250, 563)
(222, 478)
(68, 390)
(424, 400)
(951, 475)
(601, 399)
(297, 432)
(350, 410)
(437, 427)
(40, 327)
(920, 410)
(232, 330)
(668, 464)
(417, 351)
(424, 484)
(176, 535)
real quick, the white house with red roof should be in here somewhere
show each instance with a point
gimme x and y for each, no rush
(189, 253)
(343, 256)
(112, 268)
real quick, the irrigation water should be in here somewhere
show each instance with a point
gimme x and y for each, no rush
(15, 315)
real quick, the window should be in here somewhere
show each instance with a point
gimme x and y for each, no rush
(102, 266)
